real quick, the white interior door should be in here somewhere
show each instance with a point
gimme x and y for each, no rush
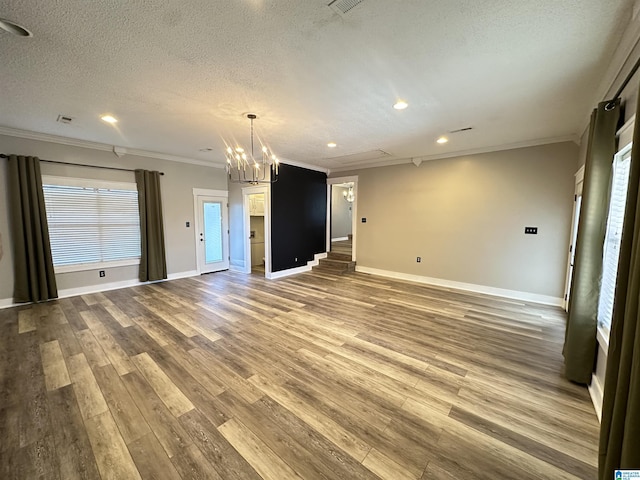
(575, 219)
(212, 234)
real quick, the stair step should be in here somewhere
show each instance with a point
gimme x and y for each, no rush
(339, 256)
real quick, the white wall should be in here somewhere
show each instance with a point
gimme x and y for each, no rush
(177, 197)
(465, 218)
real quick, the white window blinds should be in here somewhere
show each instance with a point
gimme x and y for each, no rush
(92, 223)
(613, 236)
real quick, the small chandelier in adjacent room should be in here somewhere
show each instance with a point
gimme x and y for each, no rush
(349, 195)
(244, 167)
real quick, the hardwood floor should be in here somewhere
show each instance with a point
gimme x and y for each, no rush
(231, 376)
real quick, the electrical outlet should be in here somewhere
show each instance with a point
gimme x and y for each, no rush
(364, 219)
(418, 259)
(187, 224)
(531, 230)
(102, 273)
(295, 259)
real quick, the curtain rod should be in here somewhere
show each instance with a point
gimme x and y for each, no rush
(2, 155)
(626, 81)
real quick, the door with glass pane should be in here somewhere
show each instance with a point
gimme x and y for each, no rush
(213, 234)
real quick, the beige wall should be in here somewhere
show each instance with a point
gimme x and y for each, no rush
(465, 217)
(177, 196)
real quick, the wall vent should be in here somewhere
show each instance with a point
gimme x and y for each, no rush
(343, 6)
(64, 119)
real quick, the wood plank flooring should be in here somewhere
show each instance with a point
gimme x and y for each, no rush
(231, 376)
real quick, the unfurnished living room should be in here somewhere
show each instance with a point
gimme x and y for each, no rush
(349, 239)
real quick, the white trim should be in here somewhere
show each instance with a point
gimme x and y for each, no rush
(85, 267)
(102, 287)
(199, 195)
(74, 142)
(579, 175)
(460, 153)
(294, 271)
(264, 189)
(205, 192)
(339, 239)
(602, 336)
(89, 183)
(470, 287)
(179, 275)
(354, 210)
(596, 393)
(625, 133)
(8, 303)
(304, 165)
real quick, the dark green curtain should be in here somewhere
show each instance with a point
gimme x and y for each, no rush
(620, 428)
(153, 265)
(34, 277)
(580, 339)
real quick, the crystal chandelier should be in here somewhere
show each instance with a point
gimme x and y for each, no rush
(348, 195)
(244, 167)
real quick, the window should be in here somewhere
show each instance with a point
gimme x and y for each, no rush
(613, 236)
(92, 223)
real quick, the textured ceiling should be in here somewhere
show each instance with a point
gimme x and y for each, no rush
(180, 74)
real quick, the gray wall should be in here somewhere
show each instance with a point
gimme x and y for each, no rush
(177, 196)
(465, 217)
(340, 213)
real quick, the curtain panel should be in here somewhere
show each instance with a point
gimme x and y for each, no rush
(153, 264)
(620, 427)
(35, 279)
(580, 338)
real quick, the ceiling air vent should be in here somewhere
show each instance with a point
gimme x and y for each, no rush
(343, 6)
(363, 157)
(64, 119)
(465, 129)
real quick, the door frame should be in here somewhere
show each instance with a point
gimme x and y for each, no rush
(246, 191)
(354, 211)
(573, 235)
(197, 194)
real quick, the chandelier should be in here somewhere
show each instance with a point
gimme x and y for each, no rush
(244, 167)
(349, 196)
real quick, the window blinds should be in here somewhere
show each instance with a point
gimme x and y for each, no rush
(92, 224)
(613, 236)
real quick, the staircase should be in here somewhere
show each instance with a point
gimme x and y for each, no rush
(335, 264)
(338, 261)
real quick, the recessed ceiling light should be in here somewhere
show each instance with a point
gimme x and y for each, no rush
(400, 105)
(442, 140)
(332, 144)
(11, 27)
(109, 119)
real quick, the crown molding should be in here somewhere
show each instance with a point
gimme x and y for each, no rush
(461, 153)
(74, 142)
(619, 59)
(305, 165)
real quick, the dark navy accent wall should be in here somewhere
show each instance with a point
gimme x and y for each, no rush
(298, 217)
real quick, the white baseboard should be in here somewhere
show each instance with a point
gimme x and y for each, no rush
(237, 268)
(597, 394)
(187, 274)
(103, 287)
(498, 292)
(339, 239)
(294, 271)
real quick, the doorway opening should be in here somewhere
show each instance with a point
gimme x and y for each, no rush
(342, 200)
(257, 227)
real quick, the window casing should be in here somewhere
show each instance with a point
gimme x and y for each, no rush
(92, 224)
(613, 237)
